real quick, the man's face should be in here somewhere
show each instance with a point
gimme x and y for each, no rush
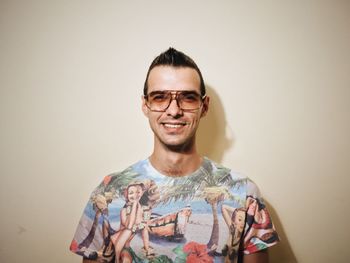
(174, 128)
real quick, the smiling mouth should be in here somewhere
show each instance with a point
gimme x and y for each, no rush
(174, 125)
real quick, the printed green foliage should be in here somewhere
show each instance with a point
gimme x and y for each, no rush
(180, 254)
(161, 259)
(116, 182)
(209, 183)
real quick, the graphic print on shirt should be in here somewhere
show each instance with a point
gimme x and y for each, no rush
(139, 216)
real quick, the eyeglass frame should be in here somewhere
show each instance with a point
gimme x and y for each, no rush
(174, 96)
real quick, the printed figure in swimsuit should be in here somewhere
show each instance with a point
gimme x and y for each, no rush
(260, 224)
(235, 220)
(134, 218)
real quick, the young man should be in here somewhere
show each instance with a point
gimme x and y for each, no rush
(175, 206)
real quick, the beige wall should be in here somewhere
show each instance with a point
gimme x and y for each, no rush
(71, 77)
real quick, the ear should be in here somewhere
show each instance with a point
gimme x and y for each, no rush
(145, 109)
(205, 106)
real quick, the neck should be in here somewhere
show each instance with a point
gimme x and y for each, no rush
(175, 163)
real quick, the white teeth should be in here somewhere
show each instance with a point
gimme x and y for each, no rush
(172, 125)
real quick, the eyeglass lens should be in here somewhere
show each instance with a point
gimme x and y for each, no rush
(186, 100)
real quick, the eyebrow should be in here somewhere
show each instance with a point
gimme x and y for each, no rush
(180, 91)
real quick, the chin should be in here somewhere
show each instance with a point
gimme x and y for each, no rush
(178, 145)
(173, 140)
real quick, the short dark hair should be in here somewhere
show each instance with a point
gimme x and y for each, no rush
(174, 58)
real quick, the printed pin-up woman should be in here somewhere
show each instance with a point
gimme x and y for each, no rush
(134, 217)
(235, 220)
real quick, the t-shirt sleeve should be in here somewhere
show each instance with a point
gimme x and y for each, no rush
(260, 232)
(88, 239)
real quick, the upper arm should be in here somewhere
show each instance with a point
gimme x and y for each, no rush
(260, 232)
(261, 256)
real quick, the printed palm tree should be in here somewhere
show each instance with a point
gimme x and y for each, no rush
(210, 184)
(112, 186)
(116, 182)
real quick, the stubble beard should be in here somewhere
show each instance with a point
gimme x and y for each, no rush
(182, 147)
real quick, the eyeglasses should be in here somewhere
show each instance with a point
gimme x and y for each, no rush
(186, 100)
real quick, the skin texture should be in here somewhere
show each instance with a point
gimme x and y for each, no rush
(175, 151)
(181, 138)
(174, 146)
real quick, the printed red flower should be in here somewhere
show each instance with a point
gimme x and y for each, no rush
(74, 246)
(251, 247)
(107, 179)
(197, 253)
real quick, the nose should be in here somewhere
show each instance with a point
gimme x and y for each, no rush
(174, 109)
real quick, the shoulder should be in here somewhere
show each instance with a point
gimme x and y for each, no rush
(114, 183)
(219, 168)
(131, 171)
(252, 189)
(237, 180)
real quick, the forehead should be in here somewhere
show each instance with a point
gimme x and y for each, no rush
(240, 213)
(132, 187)
(173, 78)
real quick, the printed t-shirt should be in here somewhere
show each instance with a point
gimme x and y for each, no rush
(140, 215)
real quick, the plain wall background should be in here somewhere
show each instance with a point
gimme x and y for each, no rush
(71, 76)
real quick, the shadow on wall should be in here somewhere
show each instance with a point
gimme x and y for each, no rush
(283, 251)
(214, 139)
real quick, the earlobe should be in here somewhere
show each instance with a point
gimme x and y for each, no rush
(144, 107)
(205, 107)
(204, 112)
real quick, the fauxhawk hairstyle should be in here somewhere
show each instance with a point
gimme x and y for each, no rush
(174, 58)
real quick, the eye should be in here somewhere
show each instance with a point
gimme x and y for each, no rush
(190, 97)
(158, 97)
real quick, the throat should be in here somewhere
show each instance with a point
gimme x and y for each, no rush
(173, 172)
(176, 167)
